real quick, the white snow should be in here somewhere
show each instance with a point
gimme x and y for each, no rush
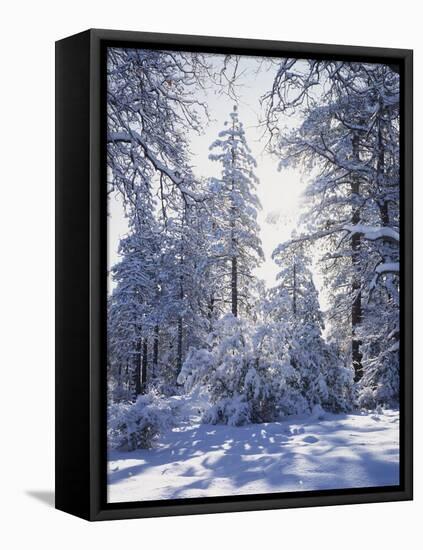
(303, 453)
(373, 233)
(388, 267)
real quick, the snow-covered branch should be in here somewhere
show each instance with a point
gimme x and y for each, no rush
(372, 233)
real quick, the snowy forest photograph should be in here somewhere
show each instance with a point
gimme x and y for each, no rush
(253, 301)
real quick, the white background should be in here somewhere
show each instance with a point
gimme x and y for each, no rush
(28, 32)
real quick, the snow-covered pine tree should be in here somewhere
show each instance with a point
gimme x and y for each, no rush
(237, 249)
(152, 108)
(380, 327)
(133, 304)
(184, 288)
(294, 301)
(348, 141)
(246, 372)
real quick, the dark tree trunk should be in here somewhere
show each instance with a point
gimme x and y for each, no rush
(388, 249)
(179, 348)
(210, 307)
(181, 298)
(180, 328)
(155, 350)
(234, 286)
(294, 291)
(210, 312)
(119, 382)
(128, 381)
(234, 260)
(144, 366)
(137, 371)
(380, 170)
(384, 215)
(356, 308)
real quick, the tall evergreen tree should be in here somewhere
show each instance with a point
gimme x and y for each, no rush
(238, 249)
(294, 301)
(348, 142)
(133, 303)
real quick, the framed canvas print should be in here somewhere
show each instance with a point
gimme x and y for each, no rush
(234, 274)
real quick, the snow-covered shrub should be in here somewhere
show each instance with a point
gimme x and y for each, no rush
(366, 399)
(307, 356)
(384, 393)
(339, 382)
(234, 411)
(247, 373)
(196, 369)
(136, 425)
(380, 384)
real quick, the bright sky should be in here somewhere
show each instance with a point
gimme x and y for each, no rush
(279, 192)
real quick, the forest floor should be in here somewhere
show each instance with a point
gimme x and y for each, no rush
(300, 453)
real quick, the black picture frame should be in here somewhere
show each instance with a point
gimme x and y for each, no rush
(81, 275)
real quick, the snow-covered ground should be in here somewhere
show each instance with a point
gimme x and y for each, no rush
(298, 454)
